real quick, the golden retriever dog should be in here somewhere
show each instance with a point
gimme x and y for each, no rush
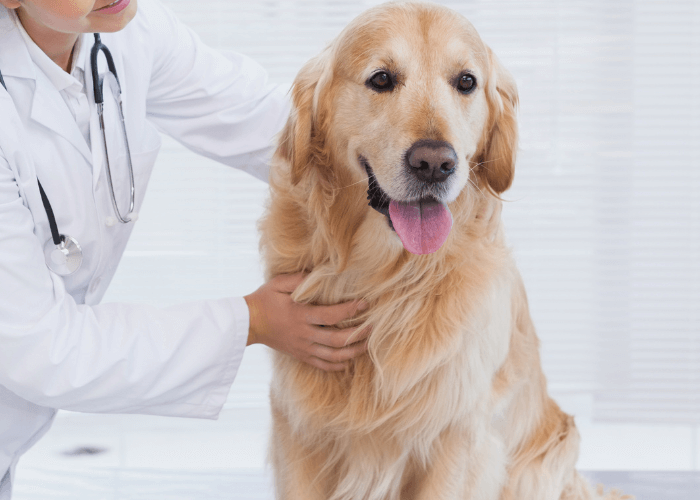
(385, 187)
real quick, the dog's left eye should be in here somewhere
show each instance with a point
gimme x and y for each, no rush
(466, 83)
(381, 81)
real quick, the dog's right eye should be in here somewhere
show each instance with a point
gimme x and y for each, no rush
(381, 81)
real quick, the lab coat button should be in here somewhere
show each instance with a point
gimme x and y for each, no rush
(110, 221)
(95, 284)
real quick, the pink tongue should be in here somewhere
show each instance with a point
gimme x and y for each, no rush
(422, 226)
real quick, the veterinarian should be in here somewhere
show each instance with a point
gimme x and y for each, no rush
(59, 347)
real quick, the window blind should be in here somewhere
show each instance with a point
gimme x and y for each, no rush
(603, 217)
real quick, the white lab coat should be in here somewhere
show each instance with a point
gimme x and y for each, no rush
(60, 348)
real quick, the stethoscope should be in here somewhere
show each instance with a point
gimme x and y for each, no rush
(62, 252)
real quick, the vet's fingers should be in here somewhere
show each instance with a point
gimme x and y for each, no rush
(331, 315)
(326, 366)
(341, 338)
(339, 355)
(361, 335)
(287, 283)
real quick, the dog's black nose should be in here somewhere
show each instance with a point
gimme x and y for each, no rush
(431, 161)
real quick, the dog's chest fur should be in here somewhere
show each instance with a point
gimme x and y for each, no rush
(441, 329)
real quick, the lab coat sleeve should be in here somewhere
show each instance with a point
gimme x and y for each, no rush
(220, 106)
(114, 358)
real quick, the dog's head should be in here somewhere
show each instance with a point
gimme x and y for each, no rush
(411, 100)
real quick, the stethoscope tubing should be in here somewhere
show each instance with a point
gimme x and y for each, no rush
(98, 90)
(96, 81)
(55, 235)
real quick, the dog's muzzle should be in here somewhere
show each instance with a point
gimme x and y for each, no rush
(422, 225)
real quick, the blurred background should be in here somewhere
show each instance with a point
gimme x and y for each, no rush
(603, 218)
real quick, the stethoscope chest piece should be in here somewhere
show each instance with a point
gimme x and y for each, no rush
(65, 258)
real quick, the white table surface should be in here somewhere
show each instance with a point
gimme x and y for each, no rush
(255, 484)
(650, 485)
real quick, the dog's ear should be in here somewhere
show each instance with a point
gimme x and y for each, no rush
(499, 146)
(301, 139)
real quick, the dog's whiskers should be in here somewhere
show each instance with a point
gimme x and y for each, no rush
(477, 165)
(476, 186)
(350, 185)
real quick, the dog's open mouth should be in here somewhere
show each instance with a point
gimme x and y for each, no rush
(423, 225)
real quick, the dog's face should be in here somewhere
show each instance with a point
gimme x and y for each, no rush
(410, 98)
(413, 104)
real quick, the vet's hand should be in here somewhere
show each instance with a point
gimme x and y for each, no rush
(302, 330)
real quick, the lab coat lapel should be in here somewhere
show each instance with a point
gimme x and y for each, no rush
(14, 144)
(35, 95)
(20, 76)
(50, 110)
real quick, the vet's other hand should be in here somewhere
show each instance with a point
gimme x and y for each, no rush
(302, 330)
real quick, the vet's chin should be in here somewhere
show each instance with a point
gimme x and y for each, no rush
(422, 225)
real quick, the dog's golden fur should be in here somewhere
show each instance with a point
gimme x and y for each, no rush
(450, 402)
